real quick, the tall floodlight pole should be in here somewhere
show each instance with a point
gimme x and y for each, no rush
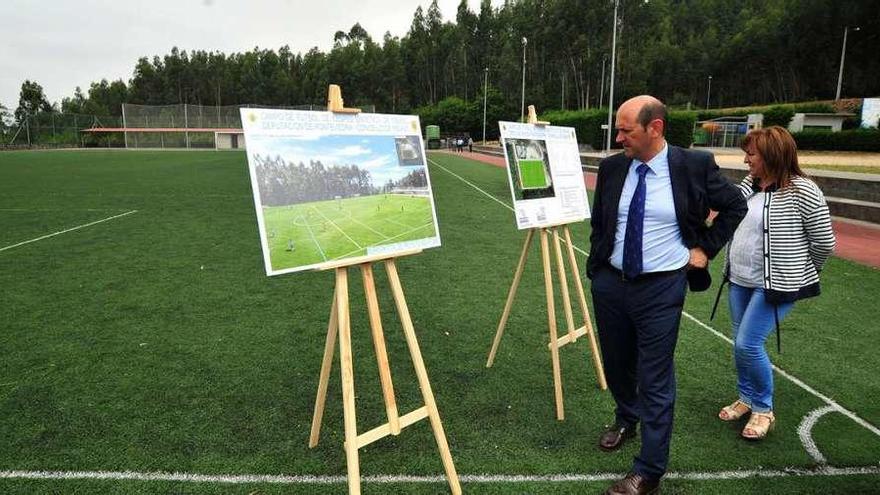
(708, 92)
(525, 41)
(842, 56)
(485, 96)
(611, 85)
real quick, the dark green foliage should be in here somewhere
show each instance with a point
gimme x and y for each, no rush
(813, 107)
(849, 140)
(680, 128)
(778, 115)
(456, 116)
(31, 100)
(806, 107)
(587, 124)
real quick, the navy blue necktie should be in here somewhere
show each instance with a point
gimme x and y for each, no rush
(635, 226)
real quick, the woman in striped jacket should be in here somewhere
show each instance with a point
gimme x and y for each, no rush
(774, 259)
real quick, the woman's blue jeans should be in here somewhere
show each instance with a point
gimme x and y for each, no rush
(753, 321)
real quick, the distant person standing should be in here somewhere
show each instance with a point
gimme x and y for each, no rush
(774, 260)
(470, 143)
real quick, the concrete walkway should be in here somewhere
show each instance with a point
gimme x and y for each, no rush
(856, 241)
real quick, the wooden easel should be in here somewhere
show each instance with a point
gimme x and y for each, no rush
(573, 334)
(340, 323)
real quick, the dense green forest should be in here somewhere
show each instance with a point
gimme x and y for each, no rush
(757, 51)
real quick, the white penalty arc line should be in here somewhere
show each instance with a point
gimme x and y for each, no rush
(389, 479)
(837, 407)
(805, 433)
(53, 234)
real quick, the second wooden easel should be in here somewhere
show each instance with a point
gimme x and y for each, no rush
(340, 323)
(573, 333)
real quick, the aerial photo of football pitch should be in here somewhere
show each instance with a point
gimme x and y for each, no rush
(144, 350)
(307, 234)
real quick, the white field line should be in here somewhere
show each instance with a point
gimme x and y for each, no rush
(805, 433)
(783, 373)
(387, 479)
(68, 230)
(312, 235)
(337, 227)
(388, 239)
(502, 203)
(493, 198)
(362, 224)
(398, 223)
(837, 407)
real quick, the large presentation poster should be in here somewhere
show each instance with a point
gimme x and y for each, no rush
(333, 186)
(544, 169)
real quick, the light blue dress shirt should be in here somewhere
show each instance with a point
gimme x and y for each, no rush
(662, 246)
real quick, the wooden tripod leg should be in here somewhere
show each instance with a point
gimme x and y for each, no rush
(510, 295)
(582, 298)
(563, 283)
(422, 375)
(347, 369)
(324, 378)
(551, 320)
(379, 346)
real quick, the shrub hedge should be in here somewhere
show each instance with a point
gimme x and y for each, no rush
(588, 126)
(852, 140)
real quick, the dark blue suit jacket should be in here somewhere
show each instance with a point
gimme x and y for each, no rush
(697, 187)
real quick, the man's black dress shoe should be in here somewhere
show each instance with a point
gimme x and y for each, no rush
(615, 436)
(634, 484)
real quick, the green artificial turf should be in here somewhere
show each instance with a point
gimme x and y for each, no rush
(310, 233)
(155, 342)
(532, 174)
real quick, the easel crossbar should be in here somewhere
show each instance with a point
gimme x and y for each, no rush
(566, 339)
(384, 430)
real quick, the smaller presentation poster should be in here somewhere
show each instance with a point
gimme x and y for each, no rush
(333, 186)
(544, 170)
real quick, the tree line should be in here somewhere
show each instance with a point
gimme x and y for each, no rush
(756, 51)
(284, 183)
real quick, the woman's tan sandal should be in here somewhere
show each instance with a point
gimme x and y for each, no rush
(759, 425)
(734, 411)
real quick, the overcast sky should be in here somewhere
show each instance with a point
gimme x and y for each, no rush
(62, 44)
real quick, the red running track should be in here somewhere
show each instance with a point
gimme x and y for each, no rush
(856, 241)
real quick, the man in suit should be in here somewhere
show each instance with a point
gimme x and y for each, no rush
(650, 235)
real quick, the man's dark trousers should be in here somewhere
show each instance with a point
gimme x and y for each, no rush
(638, 329)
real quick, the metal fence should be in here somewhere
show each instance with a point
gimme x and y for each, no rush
(719, 134)
(191, 126)
(59, 130)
